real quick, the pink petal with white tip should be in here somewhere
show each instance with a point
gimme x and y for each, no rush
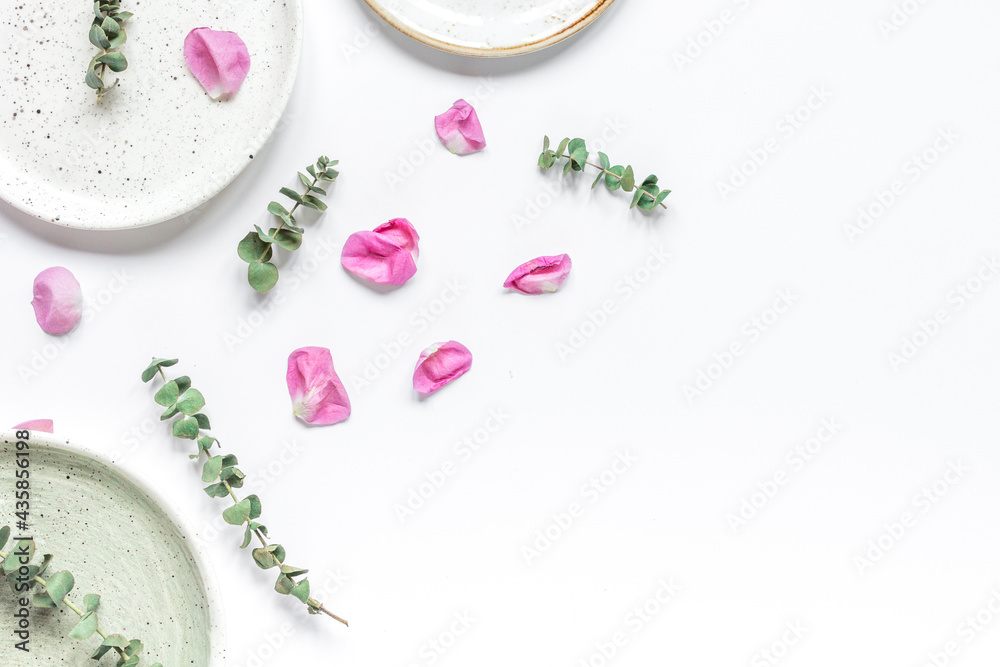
(219, 60)
(460, 130)
(441, 364)
(541, 275)
(318, 395)
(58, 300)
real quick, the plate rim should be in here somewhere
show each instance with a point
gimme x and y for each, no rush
(521, 49)
(217, 612)
(284, 96)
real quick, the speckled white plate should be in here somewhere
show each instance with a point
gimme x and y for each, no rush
(489, 27)
(120, 542)
(157, 146)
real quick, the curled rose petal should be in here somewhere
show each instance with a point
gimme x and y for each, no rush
(459, 129)
(318, 395)
(402, 233)
(386, 256)
(58, 301)
(218, 59)
(440, 364)
(43, 425)
(541, 275)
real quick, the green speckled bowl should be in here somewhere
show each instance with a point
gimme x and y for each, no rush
(119, 541)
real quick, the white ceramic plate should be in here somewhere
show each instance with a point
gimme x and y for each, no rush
(157, 146)
(120, 542)
(489, 27)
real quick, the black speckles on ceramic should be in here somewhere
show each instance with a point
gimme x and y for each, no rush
(157, 146)
(118, 543)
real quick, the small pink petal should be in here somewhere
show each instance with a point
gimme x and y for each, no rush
(58, 301)
(541, 275)
(459, 129)
(386, 256)
(318, 395)
(440, 364)
(43, 425)
(218, 59)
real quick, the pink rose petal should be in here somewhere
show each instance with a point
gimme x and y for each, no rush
(459, 129)
(440, 364)
(541, 275)
(58, 301)
(386, 256)
(43, 425)
(318, 395)
(218, 59)
(402, 233)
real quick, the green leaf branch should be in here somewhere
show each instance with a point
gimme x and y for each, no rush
(648, 195)
(23, 576)
(256, 247)
(107, 33)
(183, 403)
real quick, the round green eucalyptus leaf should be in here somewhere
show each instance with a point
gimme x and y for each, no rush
(262, 276)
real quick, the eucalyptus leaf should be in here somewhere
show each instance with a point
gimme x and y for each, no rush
(43, 600)
(284, 584)
(154, 367)
(262, 276)
(22, 549)
(86, 627)
(291, 194)
(252, 248)
(210, 471)
(186, 428)
(168, 394)
(217, 490)
(265, 559)
(247, 536)
(301, 590)
(288, 239)
(98, 37)
(191, 402)
(93, 80)
(237, 514)
(277, 209)
(254, 506)
(59, 585)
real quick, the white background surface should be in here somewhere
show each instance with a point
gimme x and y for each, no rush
(331, 493)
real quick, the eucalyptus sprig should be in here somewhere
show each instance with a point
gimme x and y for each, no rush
(23, 576)
(107, 33)
(184, 402)
(647, 196)
(255, 248)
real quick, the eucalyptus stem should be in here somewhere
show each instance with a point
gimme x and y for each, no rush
(184, 402)
(22, 575)
(648, 194)
(256, 247)
(107, 33)
(291, 213)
